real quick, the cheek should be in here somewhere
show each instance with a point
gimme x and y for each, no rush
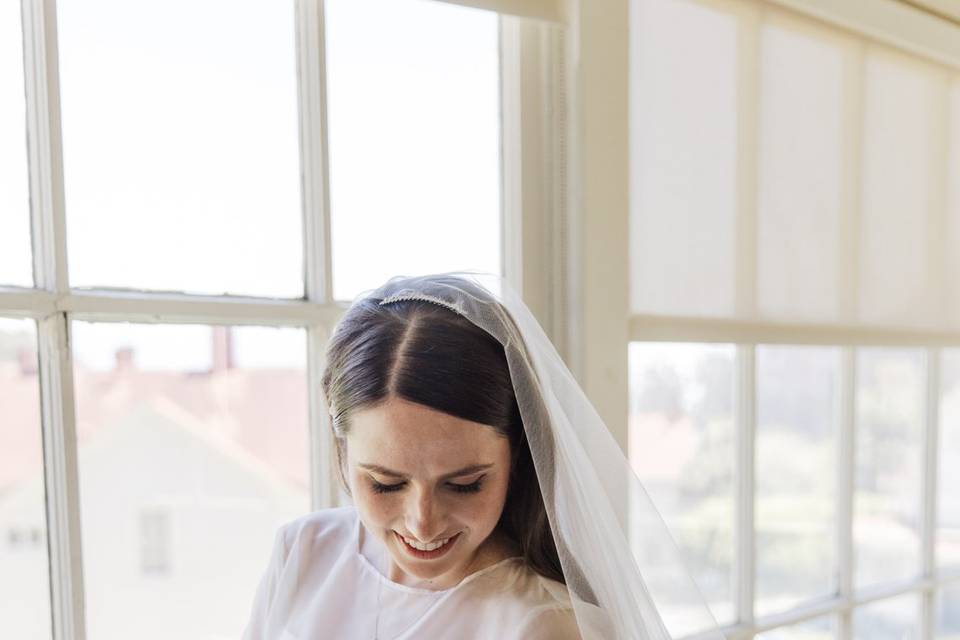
(486, 507)
(375, 508)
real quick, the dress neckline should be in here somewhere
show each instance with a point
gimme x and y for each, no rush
(359, 530)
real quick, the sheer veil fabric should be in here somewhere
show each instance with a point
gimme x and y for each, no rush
(592, 496)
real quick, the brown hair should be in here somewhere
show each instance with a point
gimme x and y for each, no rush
(422, 352)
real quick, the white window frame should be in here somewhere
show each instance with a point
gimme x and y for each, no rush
(529, 38)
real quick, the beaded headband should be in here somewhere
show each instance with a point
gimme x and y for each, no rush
(423, 297)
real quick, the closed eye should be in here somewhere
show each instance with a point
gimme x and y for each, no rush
(379, 487)
(471, 487)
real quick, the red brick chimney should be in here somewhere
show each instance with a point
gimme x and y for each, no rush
(27, 359)
(123, 359)
(222, 338)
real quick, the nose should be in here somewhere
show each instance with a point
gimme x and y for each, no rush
(423, 516)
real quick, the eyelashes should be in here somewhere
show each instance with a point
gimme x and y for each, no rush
(473, 487)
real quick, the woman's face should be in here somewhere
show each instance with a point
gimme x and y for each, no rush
(430, 486)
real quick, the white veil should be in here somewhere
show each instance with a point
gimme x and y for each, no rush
(637, 592)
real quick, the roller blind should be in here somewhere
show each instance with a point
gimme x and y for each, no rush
(789, 171)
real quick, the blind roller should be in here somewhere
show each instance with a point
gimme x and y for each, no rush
(787, 171)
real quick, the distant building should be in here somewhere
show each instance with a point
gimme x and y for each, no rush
(183, 479)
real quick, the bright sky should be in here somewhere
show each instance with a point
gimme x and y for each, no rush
(181, 153)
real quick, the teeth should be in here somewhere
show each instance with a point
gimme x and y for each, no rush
(426, 547)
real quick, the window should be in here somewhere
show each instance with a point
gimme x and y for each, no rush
(180, 137)
(794, 206)
(155, 542)
(231, 174)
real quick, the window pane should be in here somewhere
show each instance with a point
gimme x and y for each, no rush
(948, 499)
(683, 158)
(894, 619)
(193, 449)
(682, 446)
(796, 463)
(799, 194)
(818, 629)
(24, 581)
(15, 267)
(181, 145)
(414, 140)
(889, 464)
(903, 99)
(948, 613)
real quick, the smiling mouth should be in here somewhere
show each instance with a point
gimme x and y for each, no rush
(427, 551)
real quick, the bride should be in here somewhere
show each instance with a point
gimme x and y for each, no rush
(487, 492)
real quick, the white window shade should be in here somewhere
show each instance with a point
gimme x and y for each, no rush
(953, 208)
(799, 183)
(898, 259)
(683, 129)
(837, 203)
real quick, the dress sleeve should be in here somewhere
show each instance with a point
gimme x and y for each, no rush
(549, 623)
(267, 589)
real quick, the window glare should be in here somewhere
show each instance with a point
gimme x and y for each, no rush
(181, 145)
(15, 267)
(414, 140)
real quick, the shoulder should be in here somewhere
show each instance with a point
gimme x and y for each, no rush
(529, 604)
(549, 623)
(537, 591)
(323, 528)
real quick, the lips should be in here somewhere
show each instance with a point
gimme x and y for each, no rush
(428, 553)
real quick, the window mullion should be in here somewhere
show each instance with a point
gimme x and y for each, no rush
(928, 521)
(44, 145)
(318, 275)
(48, 230)
(846, 464)
(61, 477)
(311, 84)
(745, 477)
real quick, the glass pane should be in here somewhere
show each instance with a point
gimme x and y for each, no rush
(948, 498)
(889, 464)
(796, 463)
(682, 446)
(948, 613)
(683, 158)
(894, 619)
(903, 101)
(24, 581)
(414, 140)
(193, 449)
(15, 267)
(180, 143)
(799, 196)
(818, 629)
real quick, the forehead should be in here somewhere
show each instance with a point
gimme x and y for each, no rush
(413, 438)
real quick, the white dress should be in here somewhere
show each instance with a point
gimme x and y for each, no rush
(326, 577)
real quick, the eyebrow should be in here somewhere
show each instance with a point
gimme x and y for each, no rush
(473, 468)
